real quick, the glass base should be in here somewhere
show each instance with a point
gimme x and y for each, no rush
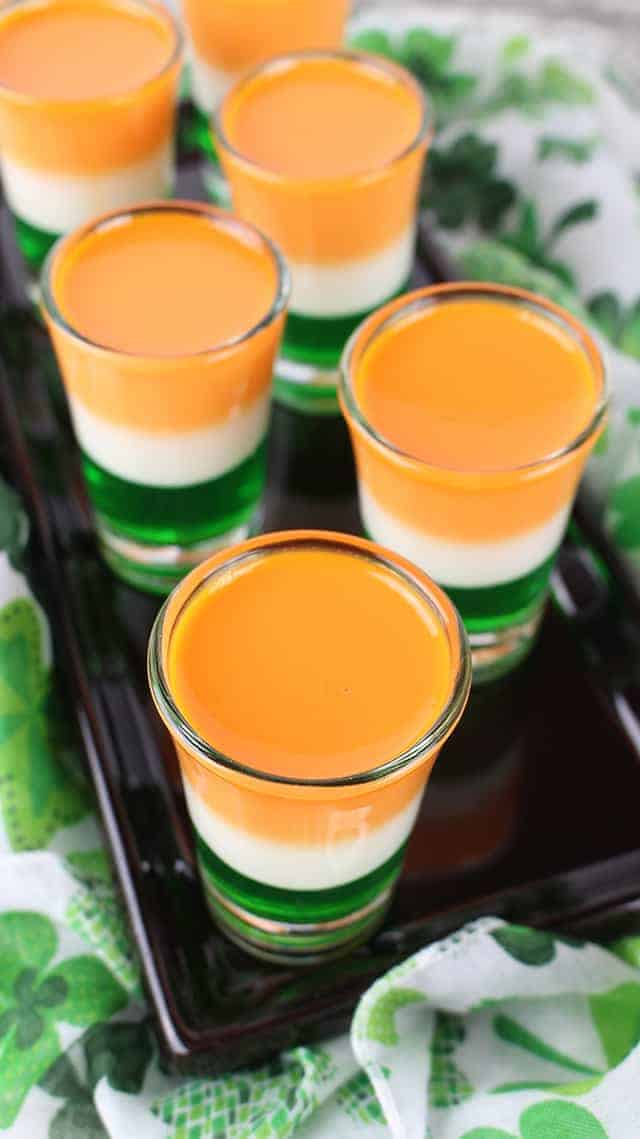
(495, 652)
(157, 569)
(295, 926)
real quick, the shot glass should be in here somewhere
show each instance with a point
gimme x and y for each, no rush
(472, 410)
(166, 320)
(324, 151)
(305, 751)
(87, 99)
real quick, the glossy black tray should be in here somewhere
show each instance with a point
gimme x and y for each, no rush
(532, 812)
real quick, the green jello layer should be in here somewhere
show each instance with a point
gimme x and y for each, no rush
(180, 516)
(321, 340)
(492, 607)
(295, 907)
(34, 244)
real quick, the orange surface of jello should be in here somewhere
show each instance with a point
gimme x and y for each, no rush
(81, 49)
(322, 118)
(165, 282)
(309, 663)
(477, 385)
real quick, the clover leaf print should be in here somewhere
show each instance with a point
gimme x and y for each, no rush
(528, 946)
(35, 997)
(38, 797)
(551, 1119)
(528, 239)
(462, 184)
(430, 57)
(619, 323)
(448, 1084)
(381, 1025)
(119, 1052)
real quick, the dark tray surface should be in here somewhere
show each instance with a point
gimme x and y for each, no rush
(531, 812)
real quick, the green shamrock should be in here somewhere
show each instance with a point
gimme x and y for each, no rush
(462, 184)
(35, 997)
(38, 798)
(551, 1119)
(430, 57)
(359, 1100)
(119, 1052)
(623, 515)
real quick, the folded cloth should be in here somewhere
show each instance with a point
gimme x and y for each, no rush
(498, 1032)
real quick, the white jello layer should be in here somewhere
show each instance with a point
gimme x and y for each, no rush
(208, 84)
(345, 288)
(465, 564)
(180, 458)
(350, 853)
(57, 202)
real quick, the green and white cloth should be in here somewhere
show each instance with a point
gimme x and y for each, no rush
(497, 1032)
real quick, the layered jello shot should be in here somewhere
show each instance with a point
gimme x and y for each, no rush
(324, 151)
(229, 37)
(472, 410)
(166, 320)
(87, 97)
(308, 681)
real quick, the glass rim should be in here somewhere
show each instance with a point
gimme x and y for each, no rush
(432, 295)
(161, 11)
(443, 608)
(223, 217)
(288, 60)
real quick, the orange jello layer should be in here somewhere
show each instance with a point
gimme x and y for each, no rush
(86, 85)
(323, 118)
(72, 49)
(476, 394)
(236, 34)
(163, 290)
(310, 663)
(325, 152)
(477, 385)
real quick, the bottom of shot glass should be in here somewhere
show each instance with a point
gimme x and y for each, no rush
(158, 568)
(292, 925)
(295, 925)
(33, 243)
(498, 650)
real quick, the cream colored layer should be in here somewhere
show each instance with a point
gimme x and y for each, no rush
(57, 203)
(292, 866)
(172, 459)
(348, 287)
(465, 565)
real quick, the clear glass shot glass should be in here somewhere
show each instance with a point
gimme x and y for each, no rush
(490, 536)
(301, 869)
(349, 238)
(173, 445)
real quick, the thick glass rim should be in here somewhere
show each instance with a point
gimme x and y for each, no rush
(437, 600)
(161, 11)
(450, 293)
(222, 217)
(289, 60)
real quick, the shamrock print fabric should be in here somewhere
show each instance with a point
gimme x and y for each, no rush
(499, 1032)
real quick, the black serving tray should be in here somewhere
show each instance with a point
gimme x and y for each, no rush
(532, 811)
